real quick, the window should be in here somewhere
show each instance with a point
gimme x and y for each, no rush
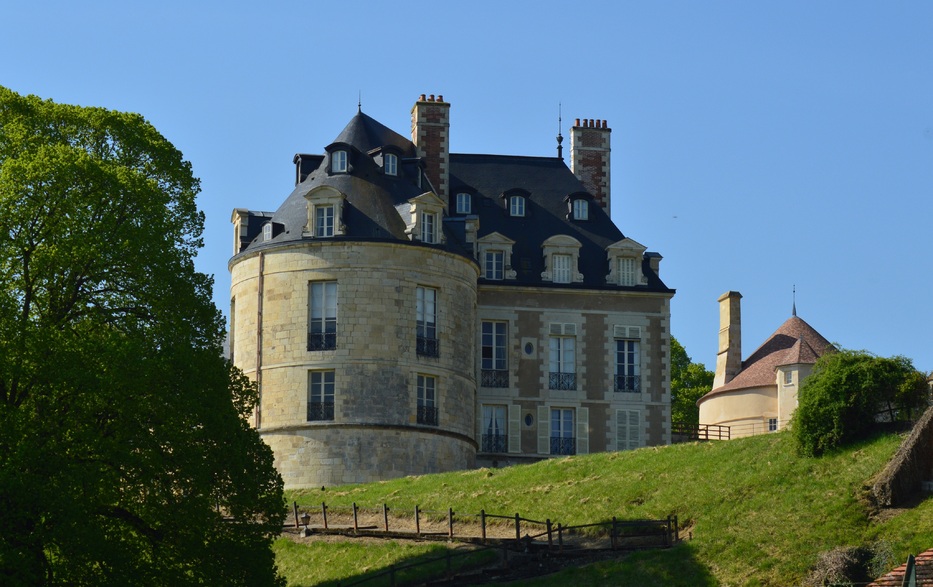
(581, 210)
(427, 400)
(494, 366)
(788, 377)
(628, 429)
(464, 203)
(772, 424)
(267, 231)
(494, 437)
(426, 322)
(338, 162)
(428, 227)
(562, 436)
(390, 164)
(322, 326)
(324, 220)
(495, 265)
(562, 363)
(562, 268)
(320, 396)
(627, 364)
(516, 206)
(626, 271)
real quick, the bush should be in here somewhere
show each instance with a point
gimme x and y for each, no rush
(848, 393)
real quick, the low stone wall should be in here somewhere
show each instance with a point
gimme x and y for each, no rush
(911, 466)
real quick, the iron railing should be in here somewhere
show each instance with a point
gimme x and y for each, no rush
(494, 443)
(563, 445)
(564, 381)
(428, 347)
(427, 415)
(628, 383)
(322, 341)
(320, 411)
(494, 378)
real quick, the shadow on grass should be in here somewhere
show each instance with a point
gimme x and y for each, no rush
(415, 569)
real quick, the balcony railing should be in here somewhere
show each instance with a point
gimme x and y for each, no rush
(428, 347)
(320, 411)
(628, 383)
(565, 381)
(494, 443)
(427, 415)
(322, 341)
(563, 445)
(494, 378)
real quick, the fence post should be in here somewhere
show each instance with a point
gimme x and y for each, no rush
(560, 537)
(518, 528)
(612, 534)
(297, 527)
(450, 523)
(550, 541)
(482, 524)
(385, 516)
(324, 513)
(667, 535)
(356, 522)
(676, 530)
(417, 520)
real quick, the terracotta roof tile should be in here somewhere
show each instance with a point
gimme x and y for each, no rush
(794, 342)
(923, 564)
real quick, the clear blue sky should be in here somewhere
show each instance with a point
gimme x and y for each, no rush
(755, 145)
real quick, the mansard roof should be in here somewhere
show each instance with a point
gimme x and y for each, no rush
(795, 342)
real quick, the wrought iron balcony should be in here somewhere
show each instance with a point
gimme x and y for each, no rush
(320, 411)
(628, 383)
(565, 381)
(322, 341)
(494, 443)
(494, 378)
(428, 347)
(427, 415)
(563, 445)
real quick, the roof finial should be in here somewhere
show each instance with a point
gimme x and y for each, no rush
(794, 310)
(560, 138)
(359, 102)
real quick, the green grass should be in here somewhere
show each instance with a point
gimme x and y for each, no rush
(759, 515)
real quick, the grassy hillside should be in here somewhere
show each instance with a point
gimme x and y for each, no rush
(758, 514)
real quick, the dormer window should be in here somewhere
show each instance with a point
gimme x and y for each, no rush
(428, 227)
(267, 232)
(561, 259)
(516, 206)
(390, 164)
(338, 162)
(627, 271)
(625, 259)
(324, 220)
(495, 256)
(464, 203)
(581, 209)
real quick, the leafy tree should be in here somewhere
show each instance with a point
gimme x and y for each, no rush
(847, 393)
(689, 382)
(125, 452)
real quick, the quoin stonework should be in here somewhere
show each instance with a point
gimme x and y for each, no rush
(408, 310)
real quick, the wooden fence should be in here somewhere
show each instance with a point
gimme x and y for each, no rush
(504, 533)
(681, 432)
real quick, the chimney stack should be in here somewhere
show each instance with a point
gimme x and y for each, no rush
(430, 132)
(589, 157)
(729, 358)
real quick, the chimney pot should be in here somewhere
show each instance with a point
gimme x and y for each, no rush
(431, 98)
(576, 122)
(592, 123)
(440, 98)
(604, 124)
(421, 99)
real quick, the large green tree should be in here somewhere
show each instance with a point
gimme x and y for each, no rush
(125, 453)
(689, 382)
(846, 395)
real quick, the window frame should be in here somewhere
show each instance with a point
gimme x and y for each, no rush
(517, 206)
(322, 315)
(628, 365)
(427, 344)
(427, 410)
(494, 361)
(562, 362)
(562, 274)
(563, 438)
(464, 203)
(581, 209)
(390, 164)
(429, 228)
(325, 220)
(340, 161)
(494, 265)
(319, 408)
(494, 428)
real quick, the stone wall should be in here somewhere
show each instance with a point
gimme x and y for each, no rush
(912, 464)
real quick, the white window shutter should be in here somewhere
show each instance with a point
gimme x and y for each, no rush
(583, 431)
(515, 428)
(556, 328)
(628, 429)
(544, 431)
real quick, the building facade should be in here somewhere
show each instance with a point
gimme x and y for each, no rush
(759, 395)
(408, 310)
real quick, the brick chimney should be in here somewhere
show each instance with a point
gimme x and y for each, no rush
(729, 358)
(589, 157)
(430, 132)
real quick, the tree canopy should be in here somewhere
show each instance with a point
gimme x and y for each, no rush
(689, 382)
(849, 393)
(125, 452)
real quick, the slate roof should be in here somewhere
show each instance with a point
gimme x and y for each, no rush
(376, 204)
(794, 342)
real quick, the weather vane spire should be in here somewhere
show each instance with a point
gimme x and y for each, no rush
(560, 138)
(359, 102)
(794, 308)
